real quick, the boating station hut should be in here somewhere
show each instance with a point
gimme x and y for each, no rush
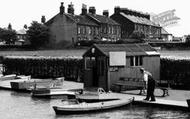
(105, 64)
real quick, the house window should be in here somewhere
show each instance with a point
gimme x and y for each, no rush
(113, 30)
(136, 61)
(79, 30)
(84, 30)
(88, 30)
(92, 30)
(105, 30)
(109, 29)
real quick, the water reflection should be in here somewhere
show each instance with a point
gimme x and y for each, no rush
(15, 105)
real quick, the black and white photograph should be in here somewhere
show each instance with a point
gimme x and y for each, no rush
(94, 59)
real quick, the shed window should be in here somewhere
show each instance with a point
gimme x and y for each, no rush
(89, 62)
(136, 61)
(131, 61)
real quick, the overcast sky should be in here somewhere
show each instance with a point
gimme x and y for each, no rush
(20, 12)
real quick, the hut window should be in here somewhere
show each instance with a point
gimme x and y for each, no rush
(131, 61)
(141, 60)
(136, 61)
(89, 62)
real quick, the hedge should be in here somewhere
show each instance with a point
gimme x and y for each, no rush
(176, 72)
(43, 67)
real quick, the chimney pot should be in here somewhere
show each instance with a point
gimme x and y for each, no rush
(43, 19)
(106, 13)
(62, 8)
(92, 10)
(70, 9)
(84, 9)
(117, 10)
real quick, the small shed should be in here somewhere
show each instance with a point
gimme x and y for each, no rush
(105, 64)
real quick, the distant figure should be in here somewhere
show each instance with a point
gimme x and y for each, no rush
(150, 85)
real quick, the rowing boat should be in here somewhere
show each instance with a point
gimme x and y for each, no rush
(84, 107)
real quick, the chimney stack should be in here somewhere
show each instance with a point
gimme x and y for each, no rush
(117, 10)
(106, 13)
(43, 19)
(84, 9)
(62, 8)
(70, 9)
(92, 10)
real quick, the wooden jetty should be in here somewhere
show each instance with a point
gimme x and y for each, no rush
(176, 99)
(162, 102)
(24, 84)
(166, 102)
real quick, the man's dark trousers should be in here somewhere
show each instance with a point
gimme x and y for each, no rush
(150, 89)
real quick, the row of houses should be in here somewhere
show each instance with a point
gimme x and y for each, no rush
(71, 28)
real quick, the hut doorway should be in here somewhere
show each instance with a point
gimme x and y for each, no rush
(95, 72)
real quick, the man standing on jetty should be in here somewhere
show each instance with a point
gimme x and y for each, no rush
(150, 84)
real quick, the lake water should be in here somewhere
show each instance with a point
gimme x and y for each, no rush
(176, 54)
(16, 105)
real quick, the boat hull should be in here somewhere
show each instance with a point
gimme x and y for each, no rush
(188, 103)
(91, 107)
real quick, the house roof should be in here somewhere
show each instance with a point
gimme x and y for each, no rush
(163, 31)
(80, 19)
(50, 21)
(103, 19)
(139, 20)
(21, 31)
(130, 49)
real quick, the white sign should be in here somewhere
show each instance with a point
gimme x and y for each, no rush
(166, 18)
(117, 58)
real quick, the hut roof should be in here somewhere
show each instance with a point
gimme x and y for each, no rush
(130, 49)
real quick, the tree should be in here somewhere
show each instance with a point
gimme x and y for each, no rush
(138, 35)
(9, 26)
(38, 34)
(8, 35)
(188, 39)
(25, 26)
